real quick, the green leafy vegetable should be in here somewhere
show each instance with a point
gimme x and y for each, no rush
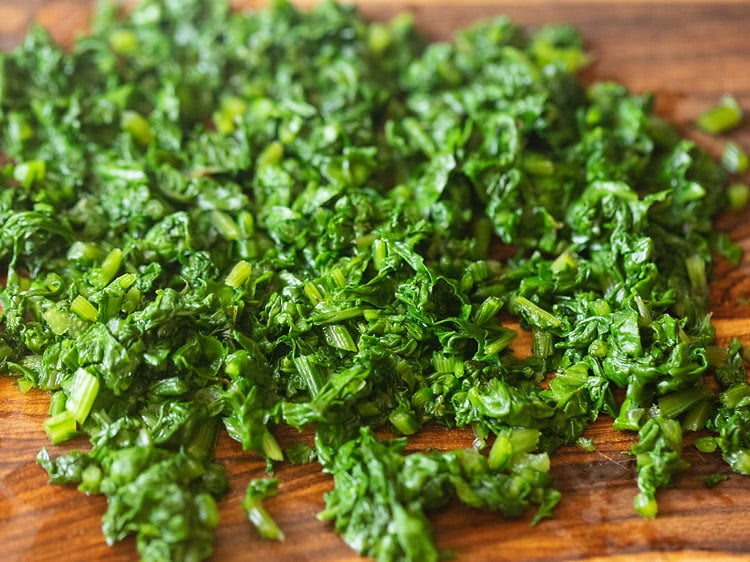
(738, 196)
(732, 422)
(725, 115)
(380, 497)
(733, 158)
(258, 490)
(214, 218)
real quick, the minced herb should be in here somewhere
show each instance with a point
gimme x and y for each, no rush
(213, 218)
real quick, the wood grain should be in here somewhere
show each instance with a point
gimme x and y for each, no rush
(689, 54)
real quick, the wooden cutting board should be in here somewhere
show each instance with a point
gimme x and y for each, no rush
(689, 54)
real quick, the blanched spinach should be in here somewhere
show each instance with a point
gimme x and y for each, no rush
(288, 217)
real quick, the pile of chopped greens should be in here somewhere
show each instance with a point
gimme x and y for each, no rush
(249, 220)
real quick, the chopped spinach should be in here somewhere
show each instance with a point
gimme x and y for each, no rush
(297, 217)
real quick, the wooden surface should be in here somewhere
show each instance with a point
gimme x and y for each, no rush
(689, 54)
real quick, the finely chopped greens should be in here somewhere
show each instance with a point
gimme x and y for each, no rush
(283, 217)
